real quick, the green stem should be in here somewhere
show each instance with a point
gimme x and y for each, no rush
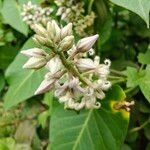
(90, 6)
(117, 72)
(129, 90)
(114, 77)
(140, 127)
(141, 68)
(119, 81)
(73, 69)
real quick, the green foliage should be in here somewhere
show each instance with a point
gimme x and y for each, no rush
(139, 78)
(2, 81)
(123, 37)
(144, 58)
(140, 7)
(72, 130)
(11, 13)
(23, 83)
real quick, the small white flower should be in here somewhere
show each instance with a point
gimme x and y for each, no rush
(85, 64)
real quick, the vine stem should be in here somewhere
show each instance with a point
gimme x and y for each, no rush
(129, 90)
(140, 127)
(117, 72)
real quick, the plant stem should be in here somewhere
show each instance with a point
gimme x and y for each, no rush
(73, 69)
(129, 90)
(90, 6)
(140, 127)
(114, 77)
(117, 72)
(119, 81)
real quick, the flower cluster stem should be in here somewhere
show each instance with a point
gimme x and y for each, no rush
(73, 69)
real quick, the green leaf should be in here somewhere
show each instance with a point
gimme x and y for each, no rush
(145, 84)
(132, 77)
(140, 7)
(7, 54)
(144, 58)
(26, 1)
(103, 129)
(42, 118)
(11, 12)
(2, 81)
(23, 82)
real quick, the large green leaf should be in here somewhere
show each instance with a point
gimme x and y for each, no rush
(102, 129)
(139, 78)
(11, 12)
(145, 83)
(140, 7)
(33, 1)
(7, 54)
(23, 82)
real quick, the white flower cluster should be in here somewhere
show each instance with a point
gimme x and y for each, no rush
(70, 11)
(77, 81)
(33, 14)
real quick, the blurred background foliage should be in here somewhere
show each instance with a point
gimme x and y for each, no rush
(124, 38)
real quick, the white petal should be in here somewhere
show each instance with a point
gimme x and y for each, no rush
(85, 64)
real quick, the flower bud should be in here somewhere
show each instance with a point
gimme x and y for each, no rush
(60, 11)
(67, 43)
(66, 31)
(40, 30)
(50, 30)
(40, 40)
(34, 52)
(86, 44)
(35, 63)
(56, 31)
(46, 85)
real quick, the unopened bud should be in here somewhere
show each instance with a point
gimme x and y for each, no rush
(40, 30)
(67, 43)
(86, 44)
(35, 63)
(56, 31)
(50, 30)
(34, 52)
(66, 31)
(40, 40)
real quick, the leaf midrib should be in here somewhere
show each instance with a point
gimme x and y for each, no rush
(19, 87)
(82, 130)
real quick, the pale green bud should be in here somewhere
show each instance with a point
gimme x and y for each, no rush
(66, 31)
(40, 40)
(67, 43)
(56, 31)
(40, 30)
(35, 63)
(50, 30)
